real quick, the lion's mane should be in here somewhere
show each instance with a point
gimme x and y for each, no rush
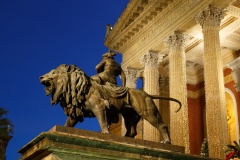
(71, 88)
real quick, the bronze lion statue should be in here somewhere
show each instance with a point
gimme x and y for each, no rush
(80, 97)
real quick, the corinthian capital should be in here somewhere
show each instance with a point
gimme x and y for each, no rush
(151, 59)
(210, 17)
(176, 39)
(131, 76)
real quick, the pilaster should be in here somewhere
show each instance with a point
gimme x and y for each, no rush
(179, 130)
(216, 120)
(151, 86)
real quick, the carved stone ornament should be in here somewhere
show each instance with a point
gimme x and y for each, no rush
(131, 77)
(176, 39)
(210, 17)
(151, 59)
(131, 73)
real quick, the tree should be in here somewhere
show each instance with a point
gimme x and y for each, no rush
(6, 128)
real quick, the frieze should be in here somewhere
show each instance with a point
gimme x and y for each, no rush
(230, 28)
(170, 19)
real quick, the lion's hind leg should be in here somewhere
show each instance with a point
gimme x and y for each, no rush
(155, 119)
(131, 119)
(144, 105)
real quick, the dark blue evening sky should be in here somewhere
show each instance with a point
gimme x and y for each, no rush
(37, 36)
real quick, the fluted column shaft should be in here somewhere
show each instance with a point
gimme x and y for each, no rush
(216, 119)
(179, 130)
(151, 79)
(164, 106)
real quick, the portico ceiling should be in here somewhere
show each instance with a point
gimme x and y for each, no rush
(144, 25)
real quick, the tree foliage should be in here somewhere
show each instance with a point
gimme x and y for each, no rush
(6, 126)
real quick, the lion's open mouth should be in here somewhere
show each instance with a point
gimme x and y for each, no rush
(48, 87)
(45, 83)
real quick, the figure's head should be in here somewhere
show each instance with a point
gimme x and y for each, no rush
(109, 54)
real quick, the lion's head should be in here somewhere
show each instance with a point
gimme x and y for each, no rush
(67, 85)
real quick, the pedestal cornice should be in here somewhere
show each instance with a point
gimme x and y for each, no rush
(70, 143)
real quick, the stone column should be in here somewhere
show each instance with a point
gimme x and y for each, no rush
(164, 107)
(216, 119)
(179, 130)
(131, 77)
(235, 66)
(151, 86)
(131, 82)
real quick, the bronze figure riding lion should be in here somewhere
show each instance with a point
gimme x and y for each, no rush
(80, 97)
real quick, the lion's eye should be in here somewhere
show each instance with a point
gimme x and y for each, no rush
(53, 72)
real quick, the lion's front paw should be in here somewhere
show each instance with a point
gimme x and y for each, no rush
(166, 142)
(105, 131)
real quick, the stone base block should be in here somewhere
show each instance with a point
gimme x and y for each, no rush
(64, 143)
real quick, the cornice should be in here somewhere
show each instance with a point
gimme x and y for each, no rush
(131, 12)
(133, 19)
(175, 15)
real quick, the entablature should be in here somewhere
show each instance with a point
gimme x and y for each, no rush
(144, 25)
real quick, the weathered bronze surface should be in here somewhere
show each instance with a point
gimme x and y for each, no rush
(80, 96)
(108, 69)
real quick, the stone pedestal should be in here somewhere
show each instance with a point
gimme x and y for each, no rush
(63, 143)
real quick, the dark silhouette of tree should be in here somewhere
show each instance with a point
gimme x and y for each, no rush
(6, 129)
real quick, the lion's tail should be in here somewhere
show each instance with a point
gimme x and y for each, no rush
(167, 98)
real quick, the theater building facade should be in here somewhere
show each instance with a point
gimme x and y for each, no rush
(188, 50)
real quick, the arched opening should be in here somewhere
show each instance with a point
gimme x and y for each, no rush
(232, 116)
